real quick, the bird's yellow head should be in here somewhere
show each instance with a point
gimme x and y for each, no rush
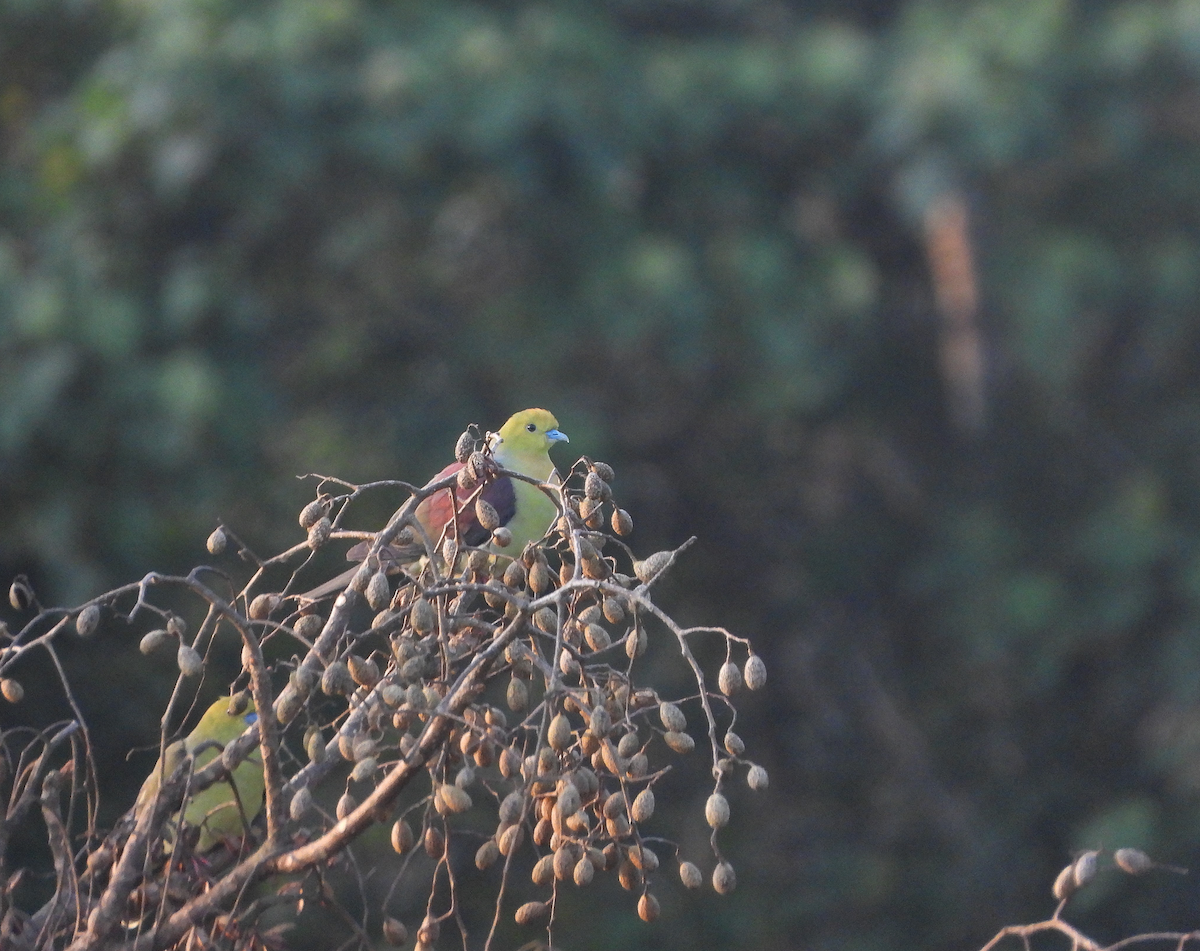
(527, 433)
(225, 720)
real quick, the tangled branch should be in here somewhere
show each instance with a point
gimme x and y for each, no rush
(443, 684)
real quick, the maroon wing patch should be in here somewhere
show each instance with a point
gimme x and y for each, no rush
(436, 511)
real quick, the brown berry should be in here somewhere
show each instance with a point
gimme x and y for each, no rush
(724, 879)
(402, 836)
(531, 912)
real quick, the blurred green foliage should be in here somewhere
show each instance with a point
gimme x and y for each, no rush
(244, 241)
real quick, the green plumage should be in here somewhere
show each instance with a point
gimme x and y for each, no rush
(216, 809)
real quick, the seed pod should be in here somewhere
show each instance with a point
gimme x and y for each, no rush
(629, 744)
(614, 805)
(1133, 861)
(511, 807)
(517, 695)
(346, 805)
(308, 626)
(379, 591)
(531, 912)
(559, 733)
(757, 778)
(466, 480)
(590, 510)
(729, 679)
(191, 664)
(733, 744)
(434, 843)
(642, 697)
(644, 858)
(690, 875)
(464, 777)
(479, 465)
(362, 577)
(613, 612)
(87, 621)
(1085, 868)
(594, 487)
(514, 575)
(583, 872)
(647, 570)
(611, 760)
(402, 836)
(597, 637)
(364, 671)
(12, 690)
(628, 875)
(486, 855)
(153, 641)
(314, 746)
(648, 907)
(569, 801)
(564, 862)
(487, 515)
(464, 447)
(679, 742)
(262, 606)
(543, 832)
(318, 535)
(300, 804)
(643, 805)
(288, 705)
(216, 542)
(716, 811)
(622, 522)
(546, 620)
(450, 552)
(1064, 884)
(422, 616)
(511, 839)
(364, 769)
(599, 721)
(302, 680)
(540, 578)
(755, 672)
(430, 931)
(502, 537)
(724, 879)
(510, 762)
(336, 680)
(311, 512)
(392, 695)
(543, 871)
(394, 932)
(672, 717)
(453, 799)
(636, 643)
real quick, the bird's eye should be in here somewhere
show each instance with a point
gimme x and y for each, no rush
(530, 427)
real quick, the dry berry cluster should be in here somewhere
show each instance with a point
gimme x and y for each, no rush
(439, 688)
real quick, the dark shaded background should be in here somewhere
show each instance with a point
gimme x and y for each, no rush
(892, 304)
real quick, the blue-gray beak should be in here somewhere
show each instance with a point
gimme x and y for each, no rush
(555, 436)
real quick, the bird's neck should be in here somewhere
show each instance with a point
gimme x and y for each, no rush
(536, 465)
